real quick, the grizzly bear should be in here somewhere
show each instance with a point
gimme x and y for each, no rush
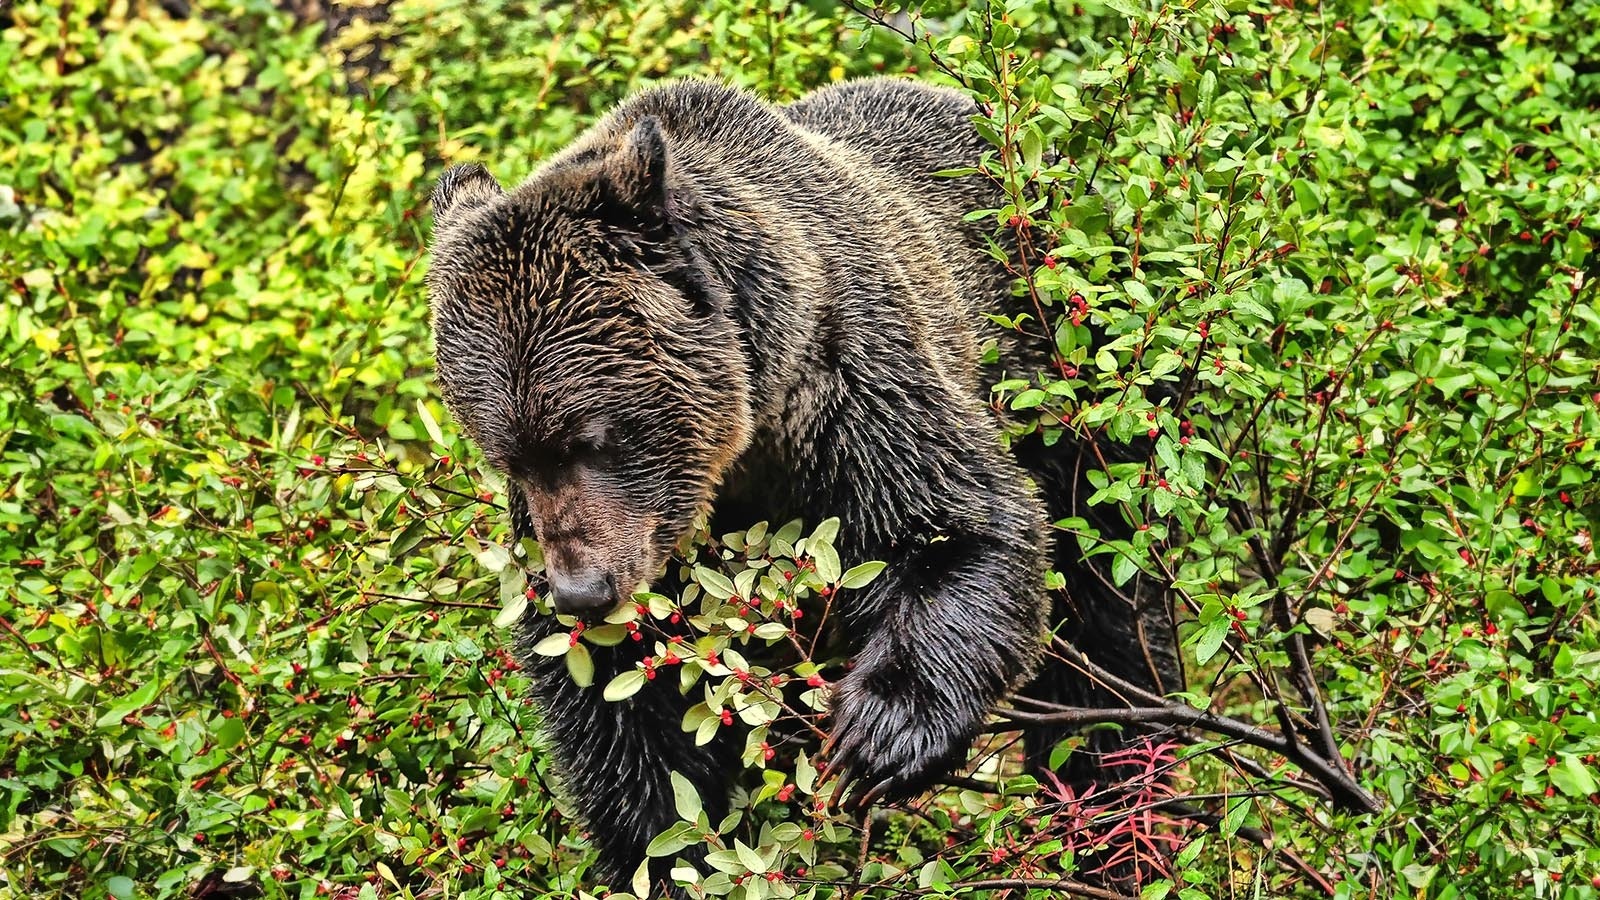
(712, 306)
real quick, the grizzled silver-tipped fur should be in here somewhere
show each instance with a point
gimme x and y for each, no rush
(710, 305)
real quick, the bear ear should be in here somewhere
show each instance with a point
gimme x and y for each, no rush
(460, 190)
(639, 168)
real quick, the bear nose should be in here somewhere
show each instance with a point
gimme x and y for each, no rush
(584, 591)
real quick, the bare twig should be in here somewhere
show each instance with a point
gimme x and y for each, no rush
(1342, 787)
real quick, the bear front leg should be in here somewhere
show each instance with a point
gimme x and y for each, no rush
(950, 627)
(615, 760)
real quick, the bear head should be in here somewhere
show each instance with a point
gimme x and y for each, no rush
(584, 345)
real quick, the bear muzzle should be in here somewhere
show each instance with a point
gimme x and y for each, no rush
(589, 592)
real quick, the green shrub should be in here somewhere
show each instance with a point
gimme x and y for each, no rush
(253, 585)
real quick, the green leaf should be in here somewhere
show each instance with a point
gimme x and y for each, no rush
(430, 425)
(408, 537)
(129, 705)
(726, 861)
(677, 836)
(511, 613)
(1210, 638)
(640, 883)
(557, 644)
(825, 532)
(229, 733)
(685, 799)
(580, 666)
(715, 583)
(862, 575)
(1123, 568)
(605, 635)
(1156, 890)
(1029, 398)
(410, 766)
(1572, 777)
(1238, 810)
(624, 685)
(749, 858)
(827, 561)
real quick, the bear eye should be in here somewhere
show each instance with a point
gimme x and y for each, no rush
(603, 453)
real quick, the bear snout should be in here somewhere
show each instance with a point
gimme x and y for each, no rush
(585, 592)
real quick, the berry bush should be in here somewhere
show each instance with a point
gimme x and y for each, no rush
(1328, 266)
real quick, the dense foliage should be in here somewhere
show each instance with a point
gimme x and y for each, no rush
(1333, 263)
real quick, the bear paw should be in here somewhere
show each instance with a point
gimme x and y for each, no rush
(886, 745)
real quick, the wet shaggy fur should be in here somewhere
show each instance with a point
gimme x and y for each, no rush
(712, 305)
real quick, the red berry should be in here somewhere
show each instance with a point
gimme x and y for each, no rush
(727, 717)
(1049, 262)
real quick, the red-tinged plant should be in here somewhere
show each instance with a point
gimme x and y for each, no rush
(1121, 831)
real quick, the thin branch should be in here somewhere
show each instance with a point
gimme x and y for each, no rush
(1066, 886)
(1342, 787)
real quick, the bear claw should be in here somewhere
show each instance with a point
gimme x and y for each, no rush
(880, 749)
